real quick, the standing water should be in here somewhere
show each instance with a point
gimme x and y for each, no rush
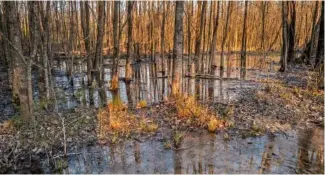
(300, 152)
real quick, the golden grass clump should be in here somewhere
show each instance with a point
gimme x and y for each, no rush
(147, 126)
(116, 119)
(188, 107)
(141, 104)
(213, 124)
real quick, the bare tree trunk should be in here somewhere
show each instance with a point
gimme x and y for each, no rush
(162, 50)
(4, 48)
(45, 45)
(285, 43)
(71, 38)
(291, 30)
(204, 15)
(33, 33)
(152, 41)
(114, 81)
(199, 38)
(214, 43)
(20, 86)
(99, 43)
(209, 41)
(189, 22)
(84, 12)
(178, 49)
(128, 68)
(225, 33)
(264, 6)
(243, 46)
(312, 39)
(319, 61)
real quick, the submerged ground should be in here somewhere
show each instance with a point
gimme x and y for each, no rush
(268, 123)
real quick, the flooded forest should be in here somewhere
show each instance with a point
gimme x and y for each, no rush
(176, 87)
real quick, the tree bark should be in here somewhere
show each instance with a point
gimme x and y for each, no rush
(225, 33)
(214, 43)
(162, 49)
(45, 45)
(116, 21)
(243, 46)
(312, 38)
(199, 38)
(285, 40)
(84, 12)
(178, 49)
(20, 87)
(128, 68)
(99, 43)
(291, 30)
(319, 61)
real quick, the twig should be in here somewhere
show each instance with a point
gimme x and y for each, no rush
(64, 135)
(137, 139)
(63, 155)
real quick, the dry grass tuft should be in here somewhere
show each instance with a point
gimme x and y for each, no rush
(117, 120)
(188, 107)
(214, 124)
(142, 104)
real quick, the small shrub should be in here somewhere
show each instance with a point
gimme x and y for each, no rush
(178, 137)
(167, 145)
(285, 96)
(17, 121)
(226, 136)
(152, 127)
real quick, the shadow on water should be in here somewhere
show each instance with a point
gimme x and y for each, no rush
(206, 153)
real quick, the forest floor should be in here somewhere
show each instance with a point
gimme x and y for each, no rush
(287, 100)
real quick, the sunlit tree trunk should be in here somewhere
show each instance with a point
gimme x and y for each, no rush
(199, 35)
(209, 41)
(128, 68)
(152, 40)
(204, 15)
(225, 33)
(162, 50)
(189, 34)
(243, 46)
(178, 49)
(214, 43)
(114, 81)
(264, 6)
